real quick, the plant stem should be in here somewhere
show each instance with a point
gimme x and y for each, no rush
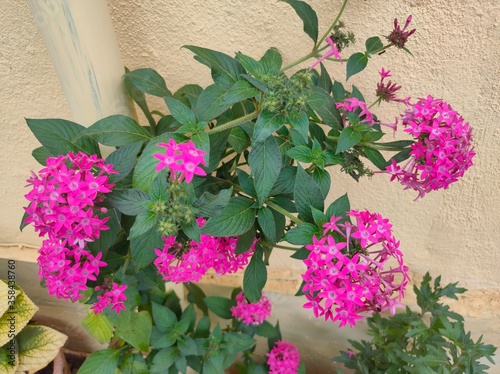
(234, 123)
(285, 247)
(378, 147)
(302, 59)
(284, 212)
(320, 40)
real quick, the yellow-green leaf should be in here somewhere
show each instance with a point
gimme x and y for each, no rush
(14, 320)
(98, 326)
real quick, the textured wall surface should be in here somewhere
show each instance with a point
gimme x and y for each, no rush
(456, 52)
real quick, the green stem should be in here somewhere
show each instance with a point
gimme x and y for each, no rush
(233, 123)
(285, 247)
(313, 53)
(284, 212)
(377, 147)
(320, 40)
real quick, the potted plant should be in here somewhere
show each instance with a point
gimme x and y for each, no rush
(234, 170)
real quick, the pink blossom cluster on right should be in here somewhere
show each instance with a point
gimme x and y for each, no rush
(114, 295)
(443, 149)
(251, 313)
(189, 262)
(354, 268)
(352, 104)
(63, 207)
(283, 358)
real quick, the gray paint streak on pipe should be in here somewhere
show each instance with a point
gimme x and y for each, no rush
(82, 46)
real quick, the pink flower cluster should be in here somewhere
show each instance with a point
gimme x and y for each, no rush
(399, 36)
(182, 160)
(283, 358)
(62, 207)
(350, 269)
(189, 262)
(443, 149)
(386, 91)
(114, 295)
(352, 104)
(333, 51)
(251, 313)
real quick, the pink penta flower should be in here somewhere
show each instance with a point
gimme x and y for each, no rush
(399, 36)
(354, 269)
(251, 313)
(386, 91)
(63, 206)
(333, 51)
(354, 105)
(113, 296)
(182, 160)
(283, 358)
(442, 151)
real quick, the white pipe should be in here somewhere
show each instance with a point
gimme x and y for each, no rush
(82, 45)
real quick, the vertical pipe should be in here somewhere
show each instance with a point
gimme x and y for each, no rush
(82, 46)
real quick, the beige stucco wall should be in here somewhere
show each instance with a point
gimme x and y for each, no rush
(454, 233)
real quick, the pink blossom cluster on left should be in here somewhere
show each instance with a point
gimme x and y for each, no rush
(251, 313)
(63, 208)
(283, 358)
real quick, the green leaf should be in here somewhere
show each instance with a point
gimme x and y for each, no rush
(324, 81)
(135, 328)
(8, 364)
(218, 61)
(103, 361)
(187, 346)
(142, 248)
(98, 326)
(339, 207)
(324, 105)
(180, 112)
(245, 241)
(397, 144)
(301, 234)
(123, 161)
(149, 81)
(375, 157)
(22, 311)
(356, 63)
(301, 154)
(286, 181)
(196, 296)
(323, 180)
(265, 162)
(255, 276)
(212, 205)
(41, 154)
(308, 17)
(306, 194)
(188, 94)
(144, 172)
(373, 44)
(246, 182)
(220, 306)
(235, 342)
(144, 222)
(38, 345)
(267, 123)
(301, 253)
(338, 91)
(348, 138)
(239, 91)
(164, 318)
(59, 136)
(211, 103)
(236, 218)
(129, 201)
(138, 96)
(271, 62)
(267, 223)
(250, 64)
(133, 364)
(238, 139)
(300, 122)
(164, 359)
(117, 130)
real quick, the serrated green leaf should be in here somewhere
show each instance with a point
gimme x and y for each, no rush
(20, 312)
(300, 122)
(135, 328)
(251, 65)
(271, 62)
(308, 17)
(267, 123)
(265, 162)
(129, 201)
(246, 182)
(117, 131)
(144, 222)
(301, 153)
(98, 326)
(123, 161)
(149, 81)
(38, 345)
(245, 241)
(211, 103)
(210, 205)
(323, 180)
(238, 139)
(235, 342)
(267, 223)
(142, 248)
(356, 63)
(348, 138)
(164, 318)
(236, 218)
(339, 207)
(285, 182)
(239, 91)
